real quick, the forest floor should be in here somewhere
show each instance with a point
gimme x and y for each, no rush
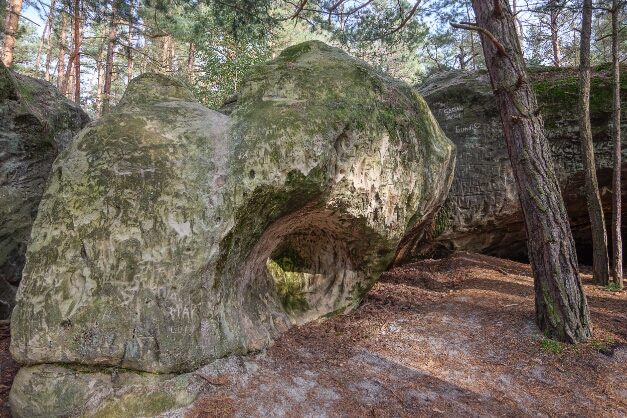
(452, 337)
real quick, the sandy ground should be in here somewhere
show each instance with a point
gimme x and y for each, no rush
(453, 337)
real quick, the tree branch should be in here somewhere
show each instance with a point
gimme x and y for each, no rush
(335, 6)
(300, 9)
(487, 33)
(404, 22)
(24, 17)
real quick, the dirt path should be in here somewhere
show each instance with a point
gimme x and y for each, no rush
(453, 337)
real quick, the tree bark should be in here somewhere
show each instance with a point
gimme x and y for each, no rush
(191, 58)
(600, 262)
(617, 241)
(100, 67)
(472, 41)
(518, 25)
(167, 58)
(109, 65)
(561, 308)
(47, 26)
(74, 63)
(48, 46)
(555, 42)
(62, 45)
(129, 67)
(13, 10)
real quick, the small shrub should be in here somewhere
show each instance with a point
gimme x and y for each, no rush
(551, 346)
(604, 346)
(613, 287)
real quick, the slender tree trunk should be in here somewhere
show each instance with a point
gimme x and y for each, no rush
(78, 40)
(74, 65)
(41, 43)
(171, 56)
(69, 92)
(472, 41)
(166, 57)
(92, 79)
(561, 307)
(100, 87)
(600, 260)
(13, 10)
(62, 46)
(109, 65)
(617, 240)
(555, 42)
(518, 25)
(48, 47)
(130, 44)
(101, 67)
(191, 58)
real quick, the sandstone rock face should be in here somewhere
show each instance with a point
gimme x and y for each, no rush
(36, 122)
(171, 235)
(482, 213)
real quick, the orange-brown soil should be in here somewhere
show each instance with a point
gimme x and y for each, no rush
(452, 337)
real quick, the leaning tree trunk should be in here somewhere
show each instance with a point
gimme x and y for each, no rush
(13, 10)
(109, 63)
(74, 64)
(62, 46)
(129, 39)
(48, 46)
(191, 60)
(617, 241)
(78, 40)
(561, 307)
(600, 262)
(555, 41)
(48, 25)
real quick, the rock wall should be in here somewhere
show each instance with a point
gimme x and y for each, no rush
(482, 212)
(171, 235)
(36, 123)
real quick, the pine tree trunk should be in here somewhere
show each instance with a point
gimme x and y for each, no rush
(617, 240)
(62, 45)
(13, 10)
(78, 40)
(555, 42)
(166, 58)
(109, 65)
(48, 47)
(191, 58)
(561, 307)
(518, 25)
(472, 41)
(41, 44)
(100, 68)
(74, 65)
(130, 44)
(600, 274)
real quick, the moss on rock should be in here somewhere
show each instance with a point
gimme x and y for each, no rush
(171, 235)
(36, 122)
(485, 213)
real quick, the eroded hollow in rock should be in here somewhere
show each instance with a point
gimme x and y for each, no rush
(312, 264)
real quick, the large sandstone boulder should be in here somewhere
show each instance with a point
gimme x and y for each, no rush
(171, 235)
(482, 212)
(36, 122)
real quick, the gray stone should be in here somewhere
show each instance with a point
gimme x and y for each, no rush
(36, 122)
(482, 212)
(171, 235)
(49, 390)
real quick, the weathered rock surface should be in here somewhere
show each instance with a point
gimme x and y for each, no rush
(482, 212)
(36, 122)
(171, 235)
